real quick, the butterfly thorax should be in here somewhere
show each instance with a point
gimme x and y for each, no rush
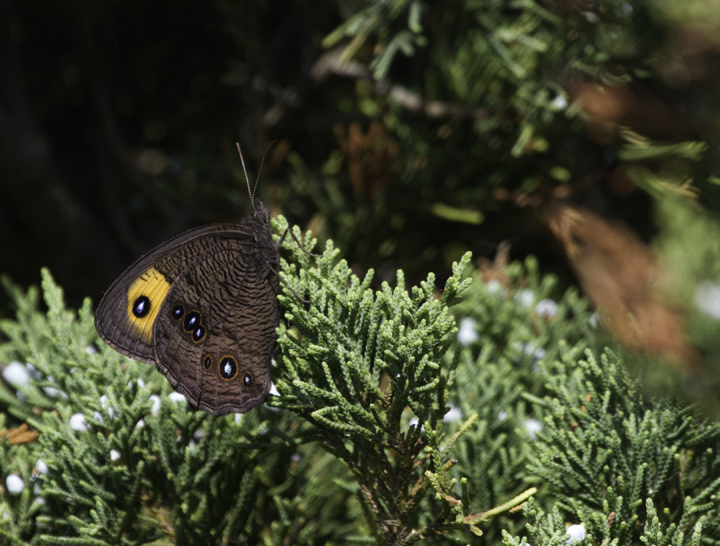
(257, 225)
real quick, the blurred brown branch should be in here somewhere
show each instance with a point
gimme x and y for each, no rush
(618, 273)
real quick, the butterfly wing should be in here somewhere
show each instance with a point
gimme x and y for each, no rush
(208, 292)
(217, 348)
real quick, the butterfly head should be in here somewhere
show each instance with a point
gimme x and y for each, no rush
(261, 211)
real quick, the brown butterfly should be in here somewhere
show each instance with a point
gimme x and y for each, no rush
(202, 308)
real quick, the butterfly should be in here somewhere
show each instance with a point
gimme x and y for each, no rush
(203, 309)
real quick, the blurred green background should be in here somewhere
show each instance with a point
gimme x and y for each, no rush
(584, 133)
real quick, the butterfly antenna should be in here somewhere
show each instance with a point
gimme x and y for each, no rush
(261, 166)
(247, 180)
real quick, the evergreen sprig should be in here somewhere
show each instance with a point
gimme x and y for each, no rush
(609, 455)
(507, 328)
(358, 364)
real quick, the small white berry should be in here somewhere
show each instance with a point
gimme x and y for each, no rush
(140, 383)
(577, 533)
(546, 308)
(467, 332)
(533, 426)
(453, 415)
(52, 392)
(41, 467)
(15, 484)
(104, 402)
(594, 320)
(496, 288)
(560, 102)
(707, 299)
(525, 297)
(176, 397)
(16, 374)
(155, 399)
(77, 422)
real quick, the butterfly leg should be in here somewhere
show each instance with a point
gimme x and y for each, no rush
(307, 302)
(288, 230)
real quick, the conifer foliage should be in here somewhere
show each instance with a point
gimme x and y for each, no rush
(391, 426)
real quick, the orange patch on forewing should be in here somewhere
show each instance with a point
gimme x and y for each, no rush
(155, 287)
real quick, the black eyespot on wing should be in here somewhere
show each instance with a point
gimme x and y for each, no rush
(207, 362)
(141, 307)
(177, 312)
(247, 380)
(192, 321)
(227, 368)
(198, 333)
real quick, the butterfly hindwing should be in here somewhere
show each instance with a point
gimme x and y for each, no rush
(217, 347)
